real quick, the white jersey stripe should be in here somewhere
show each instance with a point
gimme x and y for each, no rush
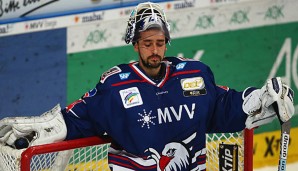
(199, 153)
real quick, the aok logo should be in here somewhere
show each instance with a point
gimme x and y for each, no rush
(95, 37)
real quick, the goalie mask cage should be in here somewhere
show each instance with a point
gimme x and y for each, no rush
(88, 154)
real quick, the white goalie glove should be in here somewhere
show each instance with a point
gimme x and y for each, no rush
(49, 127)
(259, 103)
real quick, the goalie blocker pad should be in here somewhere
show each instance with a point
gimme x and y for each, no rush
(258, 104)
(49, 127)
(283, 96)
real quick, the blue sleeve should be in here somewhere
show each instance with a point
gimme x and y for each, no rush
(227, 115)
(78, 114)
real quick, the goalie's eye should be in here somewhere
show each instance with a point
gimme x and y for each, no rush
(157, 44)
(151, 46)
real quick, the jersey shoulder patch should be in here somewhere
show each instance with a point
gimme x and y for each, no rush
(186, 64)
(110, 72)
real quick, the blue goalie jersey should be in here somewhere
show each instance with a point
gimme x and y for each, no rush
(156, 125)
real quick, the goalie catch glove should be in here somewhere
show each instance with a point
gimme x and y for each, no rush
(49, 127)
(259, 103)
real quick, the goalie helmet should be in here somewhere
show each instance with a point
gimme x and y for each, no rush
(144, 16)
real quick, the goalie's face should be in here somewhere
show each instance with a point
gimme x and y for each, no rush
(151, 48)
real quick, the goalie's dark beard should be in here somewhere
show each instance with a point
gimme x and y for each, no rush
(147, 64)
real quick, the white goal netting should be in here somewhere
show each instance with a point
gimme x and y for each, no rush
(91, 154)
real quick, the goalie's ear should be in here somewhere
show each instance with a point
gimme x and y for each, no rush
(136, 47)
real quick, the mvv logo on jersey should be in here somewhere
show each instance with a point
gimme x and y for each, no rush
(131, 97)
(167, 114)
(193, 86)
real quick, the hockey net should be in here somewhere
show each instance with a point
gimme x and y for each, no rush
(91, 154)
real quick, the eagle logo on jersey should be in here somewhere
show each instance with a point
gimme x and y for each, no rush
(174, 157)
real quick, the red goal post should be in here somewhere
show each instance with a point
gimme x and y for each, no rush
(91, 154)
(27, 155)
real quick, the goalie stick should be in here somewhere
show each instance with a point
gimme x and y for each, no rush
(284, 140)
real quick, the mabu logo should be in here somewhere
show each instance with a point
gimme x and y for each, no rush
(93, 17)
(184, 4)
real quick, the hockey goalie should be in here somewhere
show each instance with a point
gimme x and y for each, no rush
(158, 109)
